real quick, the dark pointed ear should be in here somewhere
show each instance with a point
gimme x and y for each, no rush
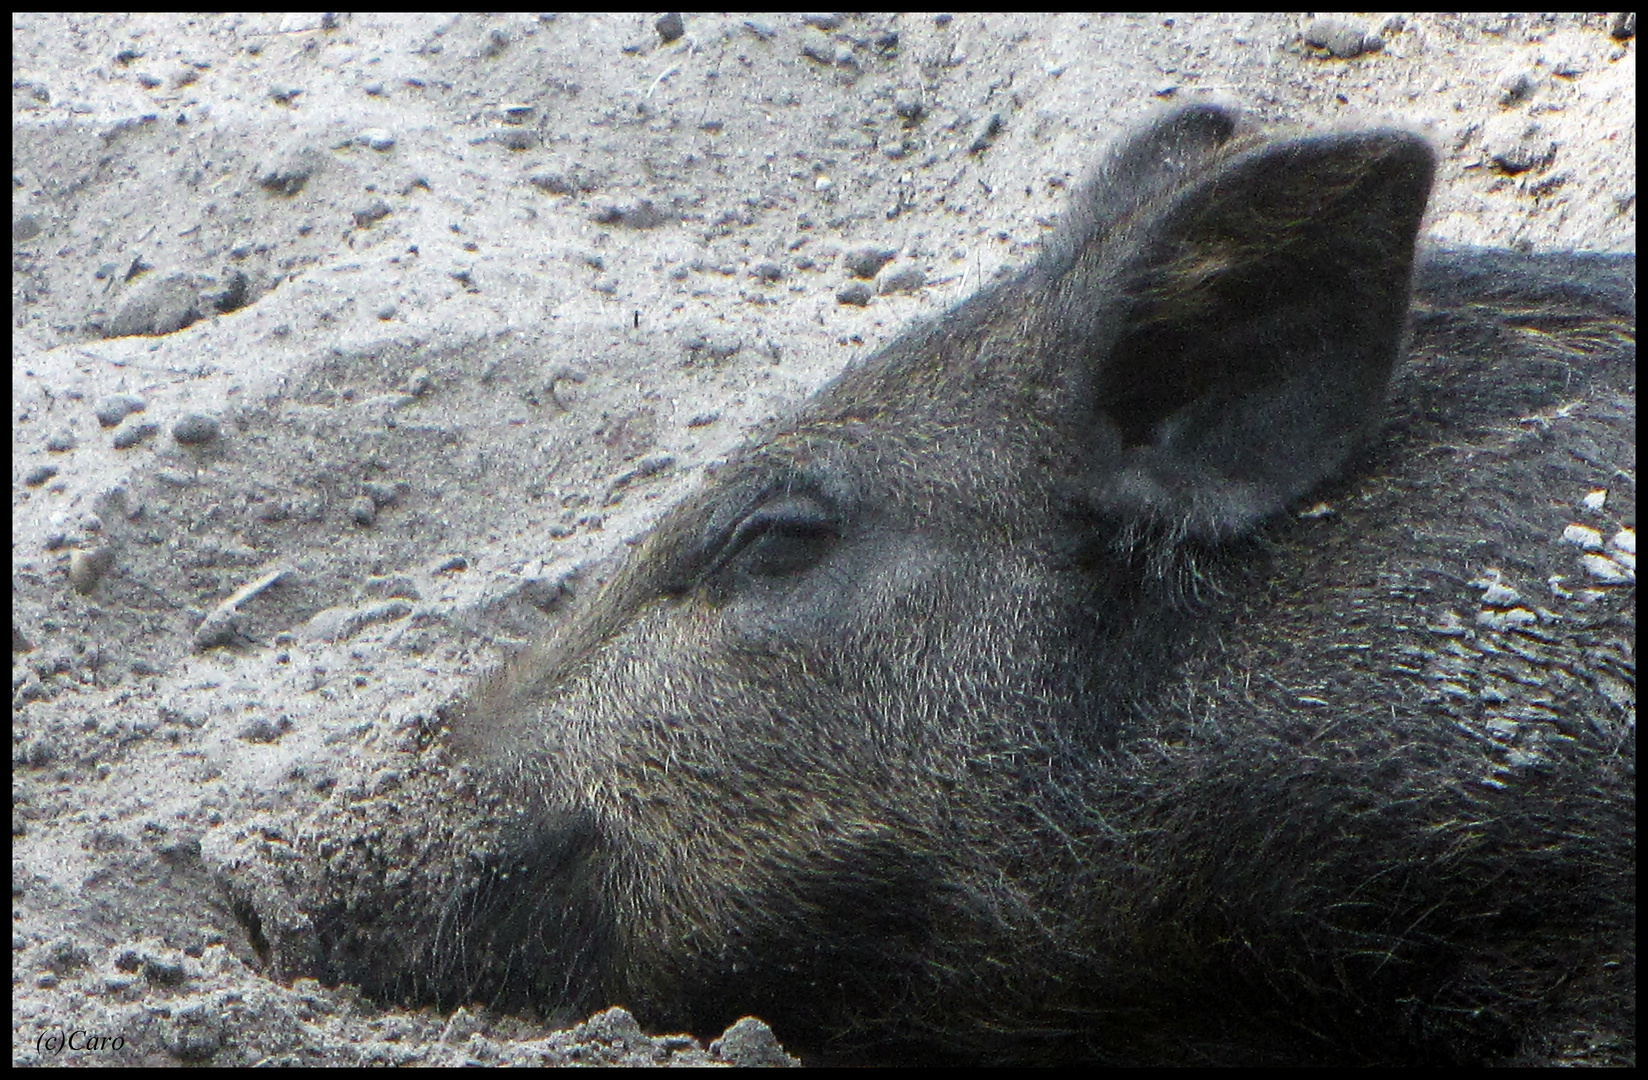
(1243, 326)
(1148, 165)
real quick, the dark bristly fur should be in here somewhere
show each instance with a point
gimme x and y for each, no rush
(992, 706)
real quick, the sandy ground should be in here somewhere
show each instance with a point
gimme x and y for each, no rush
(343, 350)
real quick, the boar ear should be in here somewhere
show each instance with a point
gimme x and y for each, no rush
(1250, 322)
(1149, 165)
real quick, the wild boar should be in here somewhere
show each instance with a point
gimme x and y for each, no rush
(1124, 667)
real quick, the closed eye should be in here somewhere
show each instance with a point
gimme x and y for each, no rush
(778, 539)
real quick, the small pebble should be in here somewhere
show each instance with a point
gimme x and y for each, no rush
(856, 295)
(116, 408)
(865, 262)
(1582, 536)
(132, 432)
(86, 568)
(194, 428)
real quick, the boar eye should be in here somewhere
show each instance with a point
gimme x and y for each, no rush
(781, 538)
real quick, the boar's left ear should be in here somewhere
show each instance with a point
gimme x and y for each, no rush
(1250, 320)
